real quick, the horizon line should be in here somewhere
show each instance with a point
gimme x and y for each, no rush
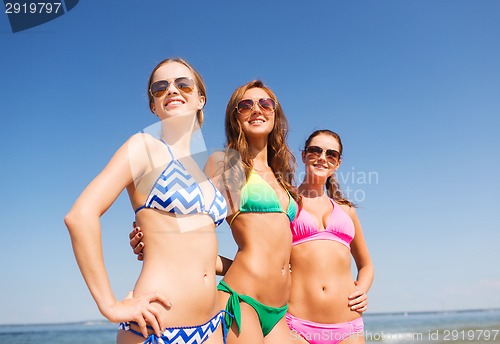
(105, 321)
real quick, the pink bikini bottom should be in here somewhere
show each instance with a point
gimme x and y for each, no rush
(316, 333)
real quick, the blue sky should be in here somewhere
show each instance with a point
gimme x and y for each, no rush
(411, 86)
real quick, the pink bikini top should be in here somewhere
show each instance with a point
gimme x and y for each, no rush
(339, 228)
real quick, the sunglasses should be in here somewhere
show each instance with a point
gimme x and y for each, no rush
(246, 106)
(183, 84)
(331, 154)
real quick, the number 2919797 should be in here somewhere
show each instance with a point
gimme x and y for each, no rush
(32, 7)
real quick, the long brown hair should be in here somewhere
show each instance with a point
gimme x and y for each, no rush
(279, 155)
(332, 185)
(202, 91)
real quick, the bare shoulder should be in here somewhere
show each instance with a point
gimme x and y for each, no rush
(217, 156)
(142, 141)
(350, 210)
(145, 153)
(145, 144)
(215, 164)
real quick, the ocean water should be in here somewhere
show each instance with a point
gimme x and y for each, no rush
(98, 332)
(458, 327)
(477, 326)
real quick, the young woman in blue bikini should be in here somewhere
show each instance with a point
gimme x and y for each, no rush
(178, 209)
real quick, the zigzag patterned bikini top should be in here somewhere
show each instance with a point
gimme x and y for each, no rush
(176, 191)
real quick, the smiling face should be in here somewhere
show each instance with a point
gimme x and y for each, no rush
(175, 100)
(258, 122)
(319, 166)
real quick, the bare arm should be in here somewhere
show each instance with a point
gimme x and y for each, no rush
(83, 222)
(358, 300)
(222, 265)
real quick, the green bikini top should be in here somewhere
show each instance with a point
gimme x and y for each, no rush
(257, 196)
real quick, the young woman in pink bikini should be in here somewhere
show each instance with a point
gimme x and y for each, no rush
(325, 303)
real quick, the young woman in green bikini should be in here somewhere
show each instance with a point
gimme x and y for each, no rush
(257, 172)
(260, 194)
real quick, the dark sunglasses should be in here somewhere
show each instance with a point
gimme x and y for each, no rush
(245, 106)
(331, 154)
(183, 84)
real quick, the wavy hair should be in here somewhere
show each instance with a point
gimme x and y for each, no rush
(279, 155)
(332, 185)
(198, 80)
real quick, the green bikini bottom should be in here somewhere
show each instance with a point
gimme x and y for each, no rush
(268, 316)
